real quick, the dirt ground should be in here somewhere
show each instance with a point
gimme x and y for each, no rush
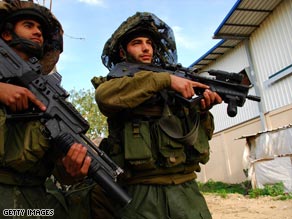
(236, 206)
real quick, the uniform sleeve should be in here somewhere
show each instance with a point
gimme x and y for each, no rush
(128, 92)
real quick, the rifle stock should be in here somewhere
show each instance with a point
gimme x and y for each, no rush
(63, 124)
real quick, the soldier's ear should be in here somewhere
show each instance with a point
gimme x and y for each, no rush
(122, 54)
(6, 35)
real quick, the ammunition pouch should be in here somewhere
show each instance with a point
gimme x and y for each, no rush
(162, 142)
(172, 138)
(23, 152)
(137, 143)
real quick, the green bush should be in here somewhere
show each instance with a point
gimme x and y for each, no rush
(244, 188)
(275, 190)
(223, 189)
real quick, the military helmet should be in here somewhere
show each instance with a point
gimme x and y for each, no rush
(13, 10)
(142, 23)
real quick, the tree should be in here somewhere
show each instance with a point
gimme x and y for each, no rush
(85, 103)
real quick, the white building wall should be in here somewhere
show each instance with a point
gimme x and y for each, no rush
(271, 48)
(271, 51)
(234, 61)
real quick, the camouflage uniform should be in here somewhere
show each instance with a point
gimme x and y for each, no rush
(157, 141)
(26, 156)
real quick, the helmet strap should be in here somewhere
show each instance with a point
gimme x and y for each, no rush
(30, 48)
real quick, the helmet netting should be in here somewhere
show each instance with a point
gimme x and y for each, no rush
(162, 35)
(53, 44)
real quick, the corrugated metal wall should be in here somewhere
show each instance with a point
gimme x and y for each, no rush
(271, 48)
(271, 51)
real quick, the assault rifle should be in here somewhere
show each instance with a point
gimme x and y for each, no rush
(63, 123)
(228, 85)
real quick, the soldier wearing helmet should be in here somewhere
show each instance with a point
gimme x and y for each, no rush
(27, 157)
(158, 141)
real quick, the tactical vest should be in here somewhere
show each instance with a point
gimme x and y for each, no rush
(159, 139)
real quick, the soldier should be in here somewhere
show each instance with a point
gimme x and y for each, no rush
(27, 157)
(158, 141)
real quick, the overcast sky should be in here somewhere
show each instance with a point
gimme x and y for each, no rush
(88, 24)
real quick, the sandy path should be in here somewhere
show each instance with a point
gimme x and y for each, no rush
(236, 206)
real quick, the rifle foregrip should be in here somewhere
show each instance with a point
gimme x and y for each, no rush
(98, 173)
(65, 141)
(232, 108)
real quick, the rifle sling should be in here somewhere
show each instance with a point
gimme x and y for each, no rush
(169, 123)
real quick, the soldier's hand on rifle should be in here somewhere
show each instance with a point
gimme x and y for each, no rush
(210, 99)
(184, 86)
(17, 98)
(76, 162)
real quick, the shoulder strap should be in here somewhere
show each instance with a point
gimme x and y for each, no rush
(129, 69)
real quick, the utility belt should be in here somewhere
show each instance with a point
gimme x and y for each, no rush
(11, 177)
(161, 177)
(150, 112)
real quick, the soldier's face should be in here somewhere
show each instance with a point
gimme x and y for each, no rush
(27, 29)
(140, 49)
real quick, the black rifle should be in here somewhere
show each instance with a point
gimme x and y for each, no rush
(64, 125)
(228, 85)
